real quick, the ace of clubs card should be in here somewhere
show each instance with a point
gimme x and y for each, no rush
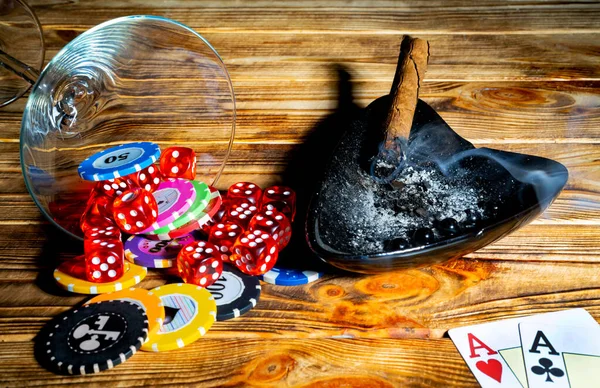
(492, 351)
(561, 356)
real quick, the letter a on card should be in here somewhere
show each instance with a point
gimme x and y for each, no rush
(480, 345)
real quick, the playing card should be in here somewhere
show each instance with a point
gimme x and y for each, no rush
(561, 356)
(493, 350)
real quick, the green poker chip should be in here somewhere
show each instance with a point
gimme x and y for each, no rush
(194, 212)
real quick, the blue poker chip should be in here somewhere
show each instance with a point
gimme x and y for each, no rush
(119, 161)
(289, 277)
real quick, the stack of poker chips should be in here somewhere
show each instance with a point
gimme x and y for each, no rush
(189, 213)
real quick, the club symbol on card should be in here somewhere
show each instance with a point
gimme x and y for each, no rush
(546, 368)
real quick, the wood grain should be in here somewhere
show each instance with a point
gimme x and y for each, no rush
(372, 57)
(521, 76)
(265, 363)
(315, 17)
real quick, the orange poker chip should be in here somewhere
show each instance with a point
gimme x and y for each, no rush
(150, 302)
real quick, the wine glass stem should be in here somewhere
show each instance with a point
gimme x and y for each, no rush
(21, 69)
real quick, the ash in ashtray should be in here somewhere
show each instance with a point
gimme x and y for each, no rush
(421, 206)
(444, 188)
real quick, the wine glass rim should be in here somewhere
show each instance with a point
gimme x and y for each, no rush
(68, 47)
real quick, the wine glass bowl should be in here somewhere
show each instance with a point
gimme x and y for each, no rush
(131, 79)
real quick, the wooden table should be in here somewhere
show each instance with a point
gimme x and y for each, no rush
(521, 76)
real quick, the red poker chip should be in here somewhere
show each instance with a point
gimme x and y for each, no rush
(211, 209)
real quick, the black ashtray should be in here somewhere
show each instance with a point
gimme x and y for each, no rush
(517, 187)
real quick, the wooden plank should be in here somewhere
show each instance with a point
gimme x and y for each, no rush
(311, 4)
(481, 112)
(443, 18)
(261, 362)
(547, 242)
(262, 57)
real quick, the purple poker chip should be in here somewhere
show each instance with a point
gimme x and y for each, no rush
(156, 253)
(174, 197)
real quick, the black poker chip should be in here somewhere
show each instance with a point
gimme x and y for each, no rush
(235, 293)
(93, 338)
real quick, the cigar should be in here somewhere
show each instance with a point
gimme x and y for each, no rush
(412, 64)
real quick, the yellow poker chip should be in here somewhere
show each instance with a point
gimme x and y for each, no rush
(133, 274)
(190, 312)
(151, 303)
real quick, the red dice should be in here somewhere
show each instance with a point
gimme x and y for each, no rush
(67, 210)
(96, 235)
(114, 187)
(244, 192)
(275, 224)
(103, 260)
(100, 205)
(89, 221)
(178, 162)
(110, 232)
(97, 214)
(224, 235)
(148, 179)
(282, 198)
(135, 210)
(74, 267)
(254, 253)
(200, 263)
(241, 213)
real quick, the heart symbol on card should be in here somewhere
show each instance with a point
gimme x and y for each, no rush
(492, 368)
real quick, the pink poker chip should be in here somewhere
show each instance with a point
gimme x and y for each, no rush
(211, 209)
(174, 197)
